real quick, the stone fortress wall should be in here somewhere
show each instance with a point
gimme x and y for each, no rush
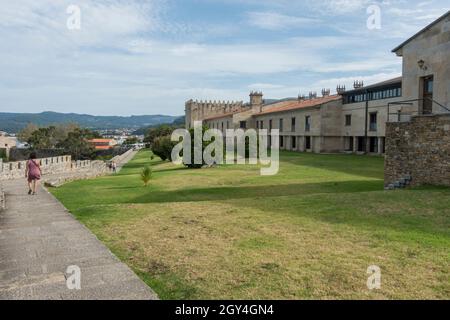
(200, 110)
(418, 151)
(60, 168)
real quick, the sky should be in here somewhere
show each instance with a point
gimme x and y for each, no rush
(134, 57)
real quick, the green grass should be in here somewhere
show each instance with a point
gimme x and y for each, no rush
(309, 232)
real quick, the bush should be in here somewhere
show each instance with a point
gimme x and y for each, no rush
(146, 175)
(162, 147)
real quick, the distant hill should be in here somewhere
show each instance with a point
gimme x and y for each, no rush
(14, 122)
(178, 122)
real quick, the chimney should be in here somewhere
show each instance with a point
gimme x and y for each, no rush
(358, 84)
(256, 98)
(340, 89)
(325, 92)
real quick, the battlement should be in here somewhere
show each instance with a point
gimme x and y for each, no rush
(197, 110)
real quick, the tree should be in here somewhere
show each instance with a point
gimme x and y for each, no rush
(26, 133)
(77, 145)
(43, 138)
(146, 175)
(162, 147)
(157, 132)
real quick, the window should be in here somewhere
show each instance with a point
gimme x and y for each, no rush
(308, 143)
(307, 123)
(348, 143)
(294, 143)
(373, 145)
(293, 124)
(257, 124)
(361, 144)
(373, 121)
(270, 125)
(243, 125)
(281, 142)
(222, 126)
(261, 125)
(348, 120)
(281, 125)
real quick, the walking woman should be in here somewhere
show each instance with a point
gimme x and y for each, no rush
(33, 173)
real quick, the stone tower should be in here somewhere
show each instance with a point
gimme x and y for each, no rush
(256, 98)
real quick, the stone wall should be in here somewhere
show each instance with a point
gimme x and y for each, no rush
(120, 158)
(200, 110)
(55, 170)
(419, 149)
(2, 197)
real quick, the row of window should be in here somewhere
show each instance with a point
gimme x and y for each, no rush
(220, 125)
(373, 95)
(283, 142)
(260, 124)
(373, 121)
(360, 144)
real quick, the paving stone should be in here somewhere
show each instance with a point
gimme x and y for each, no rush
(39, 239)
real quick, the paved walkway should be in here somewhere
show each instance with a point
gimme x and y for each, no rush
(39, 239)
(126, 160)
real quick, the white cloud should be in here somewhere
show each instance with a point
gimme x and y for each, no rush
(277, 21)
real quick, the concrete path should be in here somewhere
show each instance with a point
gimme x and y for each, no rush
(126, 160)
(39, 240)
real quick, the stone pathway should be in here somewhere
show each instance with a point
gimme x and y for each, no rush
(126, 160)
(39, 240)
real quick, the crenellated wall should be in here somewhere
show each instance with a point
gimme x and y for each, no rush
(200, 110)
(60, 168)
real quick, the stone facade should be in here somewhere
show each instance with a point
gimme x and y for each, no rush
(327, 131)
(419, 149)
(424, 55)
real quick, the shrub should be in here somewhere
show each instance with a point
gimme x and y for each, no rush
(162, 147)
(146, 175)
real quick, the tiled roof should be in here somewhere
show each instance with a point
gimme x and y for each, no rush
(220, 116)
(103, 147)
(293, 105)
(101, 140)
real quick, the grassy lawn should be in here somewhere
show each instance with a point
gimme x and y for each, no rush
(309, 232)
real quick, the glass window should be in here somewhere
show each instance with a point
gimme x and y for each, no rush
(348, 120)
(307, 123)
